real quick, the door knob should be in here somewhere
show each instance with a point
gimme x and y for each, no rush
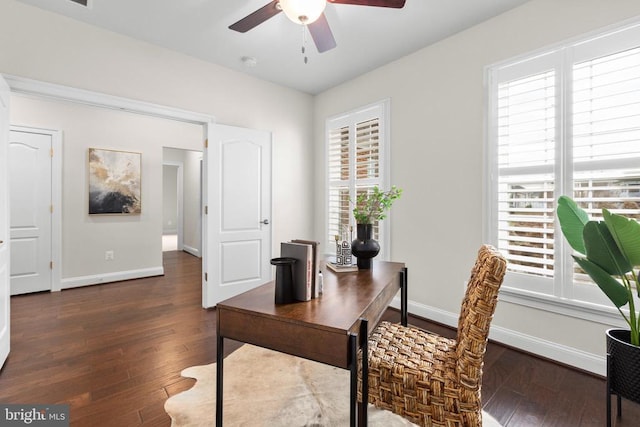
(265, 222)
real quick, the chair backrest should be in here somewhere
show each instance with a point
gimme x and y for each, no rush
(476, 314)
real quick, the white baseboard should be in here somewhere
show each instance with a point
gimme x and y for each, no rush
(75, 282)
(193, 251)
(561, 353)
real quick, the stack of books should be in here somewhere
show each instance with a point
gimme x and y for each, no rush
(306, 269)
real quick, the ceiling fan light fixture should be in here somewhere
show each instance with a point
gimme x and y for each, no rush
(303, 12)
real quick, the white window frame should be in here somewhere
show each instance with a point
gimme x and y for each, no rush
(562, 56)
(381, 111)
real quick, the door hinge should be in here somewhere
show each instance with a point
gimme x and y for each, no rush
(206, 210)
(51, 208)
(51, 152)
(206, 277)
(206, 143)
(50, 265)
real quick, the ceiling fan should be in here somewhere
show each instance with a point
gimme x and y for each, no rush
(309, 13)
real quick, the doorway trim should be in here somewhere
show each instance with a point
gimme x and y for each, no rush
(40, 89)
(67, 93)
(56, 200)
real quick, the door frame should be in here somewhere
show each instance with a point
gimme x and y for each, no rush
(24, 86)
(56, 200)
(5, 237)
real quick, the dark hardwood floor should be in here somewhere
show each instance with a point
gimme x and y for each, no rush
(114, 353)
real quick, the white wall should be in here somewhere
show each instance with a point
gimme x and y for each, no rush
(437, 119)
(169, 198)
(192, 233)
(44, 46)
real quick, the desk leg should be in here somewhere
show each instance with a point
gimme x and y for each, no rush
(403, 297)
(364, 347)
(353, 401)
(219, 370)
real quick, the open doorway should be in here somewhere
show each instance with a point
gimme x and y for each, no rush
(171, 205)
(182, 200)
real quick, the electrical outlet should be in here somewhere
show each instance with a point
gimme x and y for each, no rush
(108, 255)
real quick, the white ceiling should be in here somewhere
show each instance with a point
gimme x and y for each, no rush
(367, 37)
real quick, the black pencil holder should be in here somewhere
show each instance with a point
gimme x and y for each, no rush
(284, 279)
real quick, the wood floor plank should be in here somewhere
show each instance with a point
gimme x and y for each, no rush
(503, 404)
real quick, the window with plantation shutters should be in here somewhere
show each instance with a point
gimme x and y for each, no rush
(356, 143)
(561, 122)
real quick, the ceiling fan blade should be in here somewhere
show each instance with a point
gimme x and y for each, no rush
(256, 18)
(321, 34)
(396, 4)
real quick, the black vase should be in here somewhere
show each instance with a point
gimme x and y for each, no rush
(364, 247)
(623, 368)
(284, 279)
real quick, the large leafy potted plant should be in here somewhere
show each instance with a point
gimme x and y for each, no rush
(610, 254)
(370, 207)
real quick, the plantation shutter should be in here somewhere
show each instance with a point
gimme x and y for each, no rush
(339, 179)
(367, 164)
(354, 165)
(606, 133)
(526, 140)
(606, 136)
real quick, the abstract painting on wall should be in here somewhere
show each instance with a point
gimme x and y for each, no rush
(114, 182)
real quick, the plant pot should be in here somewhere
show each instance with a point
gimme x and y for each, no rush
(364, 247)
(623, 368)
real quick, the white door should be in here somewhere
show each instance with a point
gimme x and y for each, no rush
(30, 204)
(4, 224)
(238, 212)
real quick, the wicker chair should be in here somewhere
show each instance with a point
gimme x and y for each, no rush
(431, 380)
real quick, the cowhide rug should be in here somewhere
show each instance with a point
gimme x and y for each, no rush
(267, 388)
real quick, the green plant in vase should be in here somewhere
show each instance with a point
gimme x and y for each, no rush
(370, 207)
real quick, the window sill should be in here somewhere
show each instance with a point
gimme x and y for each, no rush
(581, 310)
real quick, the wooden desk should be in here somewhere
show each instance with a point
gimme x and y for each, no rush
(329, 329)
